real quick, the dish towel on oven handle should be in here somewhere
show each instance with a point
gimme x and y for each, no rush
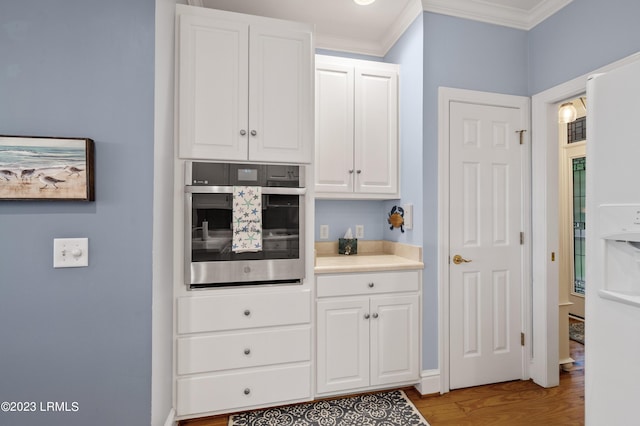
(247, 219)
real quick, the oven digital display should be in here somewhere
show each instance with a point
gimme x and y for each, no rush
(247, 175)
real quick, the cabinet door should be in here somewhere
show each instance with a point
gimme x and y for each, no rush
(334, 128)
(343, 344)
(280, 89)
(394, 339)
(376, 131)
(213, 88)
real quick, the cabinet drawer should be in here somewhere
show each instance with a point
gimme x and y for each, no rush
(366, 284)
(240, 311)
(199, 354)
(234, 391)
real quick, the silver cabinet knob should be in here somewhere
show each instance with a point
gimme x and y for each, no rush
(247, 351)
(366, 316)
(371, 285)
(253, 133)
(358, 171)
(351, 171)
(243, 132)
(247, 391)
(375, 315)
(247, 312)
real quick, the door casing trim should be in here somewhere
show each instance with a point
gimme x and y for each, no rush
(446, 95)
(544, 159)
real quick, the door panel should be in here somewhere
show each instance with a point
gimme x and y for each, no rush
(213, 76)
(376, 131)
(394, 339)
(334, 128)
(485, 217)
(343, 345)
(280, 97)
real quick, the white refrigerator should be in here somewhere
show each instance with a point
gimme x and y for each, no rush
(612, 335)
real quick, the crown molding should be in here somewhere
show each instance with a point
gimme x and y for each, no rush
(349, 45)
(404, 21)
(372, 47)
(492, 13)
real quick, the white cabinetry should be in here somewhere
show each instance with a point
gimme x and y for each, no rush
(244, 87)
(367, 331)
(239, 351)
(356, 129)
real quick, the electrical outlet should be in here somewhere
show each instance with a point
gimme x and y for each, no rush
(359, 231)
(70, 252)
(324, 232)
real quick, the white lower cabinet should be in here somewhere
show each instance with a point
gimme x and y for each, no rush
(239, 351)
(369, 338)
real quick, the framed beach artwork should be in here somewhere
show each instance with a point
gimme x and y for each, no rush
(46, 168)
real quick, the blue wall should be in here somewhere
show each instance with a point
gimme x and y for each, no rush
(80, 69)
(462, 54)
(580, 38)
(408, 53)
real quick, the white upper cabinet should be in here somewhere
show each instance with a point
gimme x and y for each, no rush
(356, 129)
(244, 87)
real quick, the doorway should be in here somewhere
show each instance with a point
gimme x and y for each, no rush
(544, 219)
(572, 142)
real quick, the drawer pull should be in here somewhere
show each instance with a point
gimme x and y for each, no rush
(247, 391)
(371, 285)
(366, 316)
(375, 315)
(247, 351)
(247, 312)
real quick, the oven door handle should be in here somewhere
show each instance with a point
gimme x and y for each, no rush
(266, 190)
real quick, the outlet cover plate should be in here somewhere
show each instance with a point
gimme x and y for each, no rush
(324, 232)
(359, 231)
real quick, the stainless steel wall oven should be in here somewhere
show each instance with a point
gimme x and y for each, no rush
(213, 254)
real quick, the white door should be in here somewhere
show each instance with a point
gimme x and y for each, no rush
(280, 95)
(485, 283)
(213, 88)
(394, 339)
(343, 344)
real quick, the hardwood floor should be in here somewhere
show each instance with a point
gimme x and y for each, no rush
(503, 404)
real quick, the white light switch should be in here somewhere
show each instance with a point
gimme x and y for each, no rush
(408, 216)
(70, 252)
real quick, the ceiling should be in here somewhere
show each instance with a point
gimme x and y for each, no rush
(372, 30)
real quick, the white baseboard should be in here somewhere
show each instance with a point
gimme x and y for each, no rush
(429, 382)
(171, 418)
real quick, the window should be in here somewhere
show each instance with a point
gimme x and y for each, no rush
(579, 171)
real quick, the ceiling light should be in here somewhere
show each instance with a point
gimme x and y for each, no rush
(567, 113)
(363, 2)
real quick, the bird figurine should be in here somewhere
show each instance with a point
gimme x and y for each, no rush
(73, 170)
(48, 180)
(7, 174)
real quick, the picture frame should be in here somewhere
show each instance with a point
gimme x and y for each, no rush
(46, 168)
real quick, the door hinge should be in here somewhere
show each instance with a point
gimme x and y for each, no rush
(521, 238)
(522, 339)
(521, 135)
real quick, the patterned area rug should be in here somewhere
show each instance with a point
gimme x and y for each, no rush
(381, 409)
(576, 331)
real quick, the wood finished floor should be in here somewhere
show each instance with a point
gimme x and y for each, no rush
(502, 404)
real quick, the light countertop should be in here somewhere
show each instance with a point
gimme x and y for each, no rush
(372, 256)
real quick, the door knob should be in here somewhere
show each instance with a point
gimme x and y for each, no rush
(457, 259)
